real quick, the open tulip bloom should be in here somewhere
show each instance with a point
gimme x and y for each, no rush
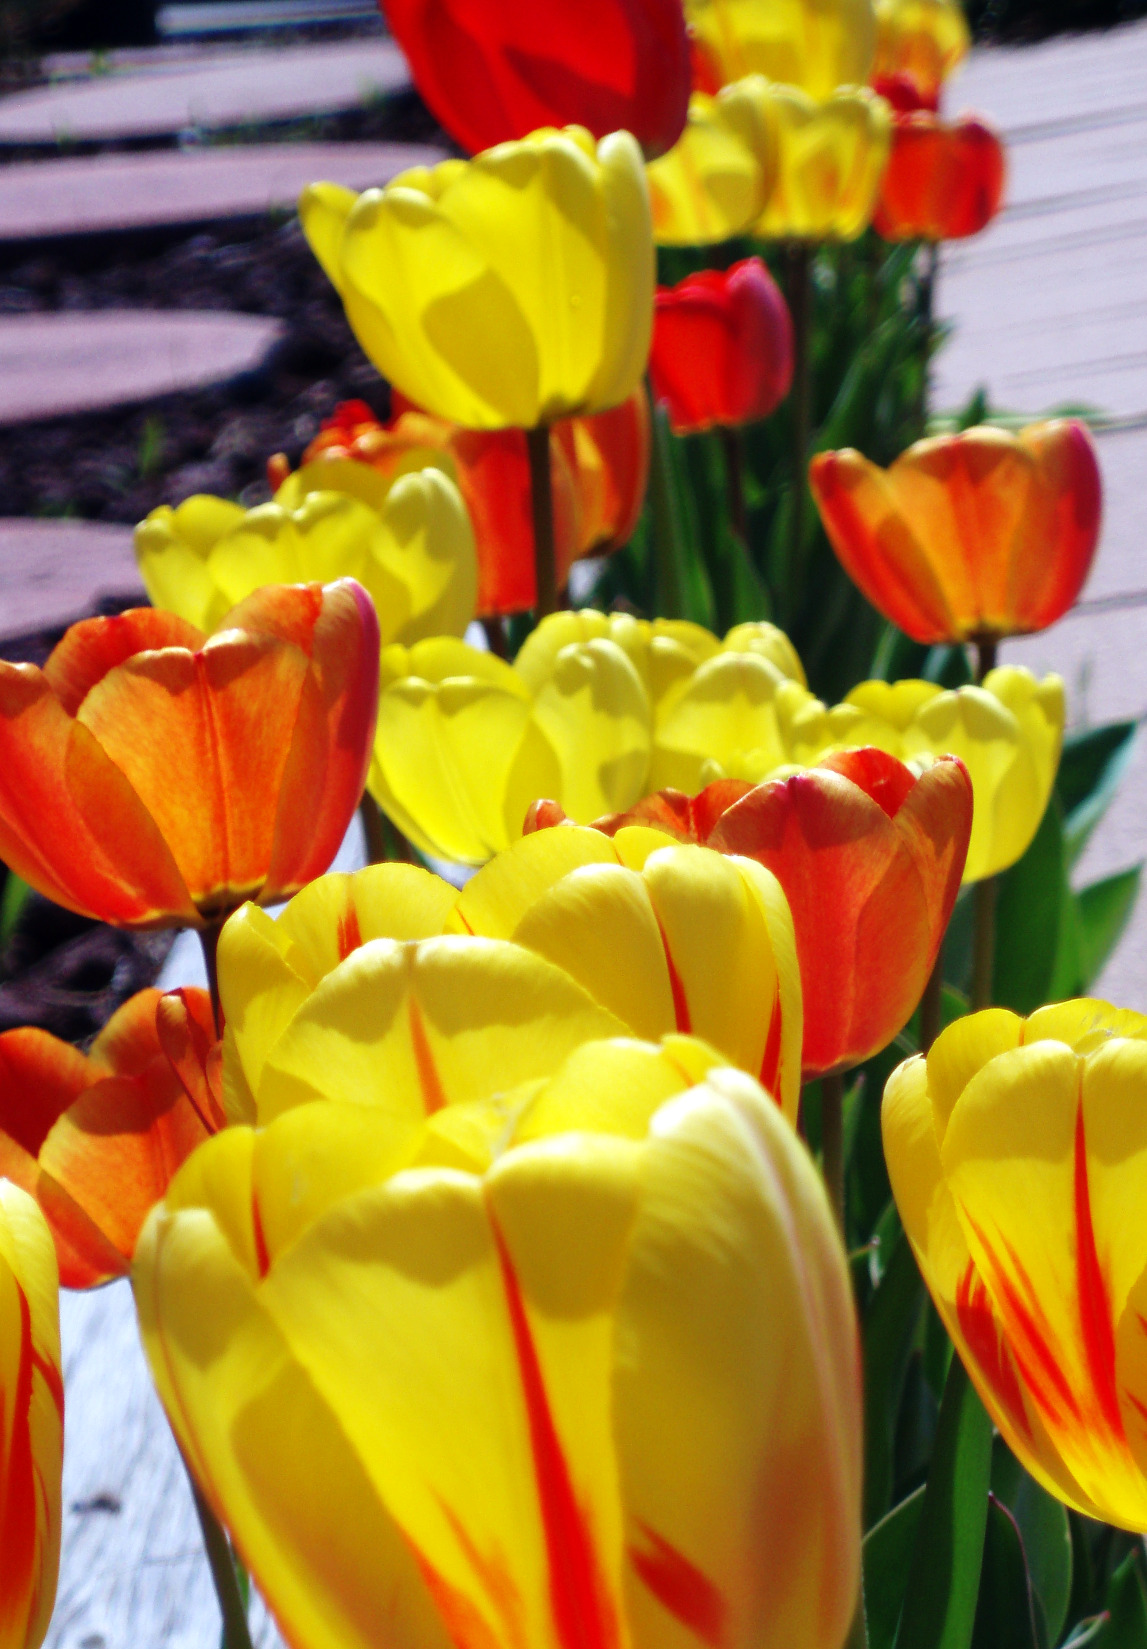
(152, 776)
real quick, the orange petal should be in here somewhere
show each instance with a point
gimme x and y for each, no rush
(185, 1027)
(96, 645)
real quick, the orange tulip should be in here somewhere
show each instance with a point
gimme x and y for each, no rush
(967, 537)
(96, 1137)
(599, 467)
(151, 776)
(942, 182)
(869, 855)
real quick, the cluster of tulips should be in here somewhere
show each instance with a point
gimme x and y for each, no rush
(487, 1229)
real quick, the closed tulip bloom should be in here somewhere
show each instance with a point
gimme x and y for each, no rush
(722, 347)
(830, 160)
(817, 45)
(96, 1137)
(1016, 1152)
(714, 183)
(502, 292)
(574, 1365)
(869, 854)
(152, 776)
(31, 1422)
(942, 182)
(1008, 734)
(967, 537)
(918, 44)
(492, 71)
(408, 543)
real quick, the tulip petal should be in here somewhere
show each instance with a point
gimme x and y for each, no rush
(96, 645)
(737, 710)
(495, 900)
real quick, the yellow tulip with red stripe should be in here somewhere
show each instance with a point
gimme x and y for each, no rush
(1017, 1153)
(580, 1368)
(31, 1421)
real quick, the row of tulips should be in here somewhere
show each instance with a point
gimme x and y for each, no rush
(478, 1245)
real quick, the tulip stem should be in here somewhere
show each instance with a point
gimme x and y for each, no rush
(542, 504)
(932, 1004)
(236, 1632)
(495, 636)
(832, 1140)
(373, 829)
(983, 942)
(668, 550)
(209, 940)
(800, 307)
(735, 481)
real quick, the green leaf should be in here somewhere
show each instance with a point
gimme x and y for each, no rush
(890, 1324)
(1046, 1532)
(944, 1577)
(1005, 1614)
(1103, 910)
(887, 1554)
(1090, 768)
(1126, 1626)
(1030, 918)
(12, 902)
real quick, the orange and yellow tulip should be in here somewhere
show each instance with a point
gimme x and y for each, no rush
(967, 537)
(31, 1422)
(868, 854)
(830, 160)
(1016, 1151)
(918, 44)
(573, 1364)
(96, 1137)
(942, 182)
(151, 776)
(817, 45)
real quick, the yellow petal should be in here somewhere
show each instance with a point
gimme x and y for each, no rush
(494, 901)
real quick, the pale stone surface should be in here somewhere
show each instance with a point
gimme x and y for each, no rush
(52, 572)
(230, 88)
(55, 364)
(141, 189)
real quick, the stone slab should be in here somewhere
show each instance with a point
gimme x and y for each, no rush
(237, 16)
(137, 190)
(55, 364)
(236, 88)
(53, 572)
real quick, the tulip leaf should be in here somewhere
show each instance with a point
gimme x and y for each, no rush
(887, 1554)
(1006, 1608)
(1034, 933)
(1046, 1532)
(944, 1575)
(1090, 768)
(1126, 1626)
(890, 1325)
(1103, 910)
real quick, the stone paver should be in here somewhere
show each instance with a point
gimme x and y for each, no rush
(52, 572)
(236, 16)
(231, 88)
(65, 363)
(145, 189)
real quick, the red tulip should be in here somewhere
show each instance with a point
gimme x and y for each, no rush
(492, 70)
(96, 1137)
(870, 858)
(942, 182)
(722, 347)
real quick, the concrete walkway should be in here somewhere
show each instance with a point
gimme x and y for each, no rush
(53, 572)
(1049, 308)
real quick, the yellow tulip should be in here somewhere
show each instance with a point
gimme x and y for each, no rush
(1008, 733)
(921, 41)
(504, 291)
(408, 541)
(815, 44)
(573, 1365)
(830, 160)
(31, 1421)
(1017, 1152)
(715, 181)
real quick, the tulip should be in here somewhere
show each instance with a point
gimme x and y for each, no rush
(972, 536)
(409, 544)
(714, 183)
(817, 45)
(503, 292)
(830, 160)
(1015, 1151)
(722, 347)
(577, 1365)
(96, 1137)
(918, 44)
(151, 776)
(31, 1422)
(942, 182)
(599, 467)
(868, 854)
(1008, 733)
(492, 71)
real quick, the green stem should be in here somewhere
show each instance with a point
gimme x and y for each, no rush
(542, 505)
(800, 307)
(209, 941)
(932, 1004)
(373, 829)
(236, 1633)
(669, 596)
(735, 481)
(983, 941)
(832, 1140)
